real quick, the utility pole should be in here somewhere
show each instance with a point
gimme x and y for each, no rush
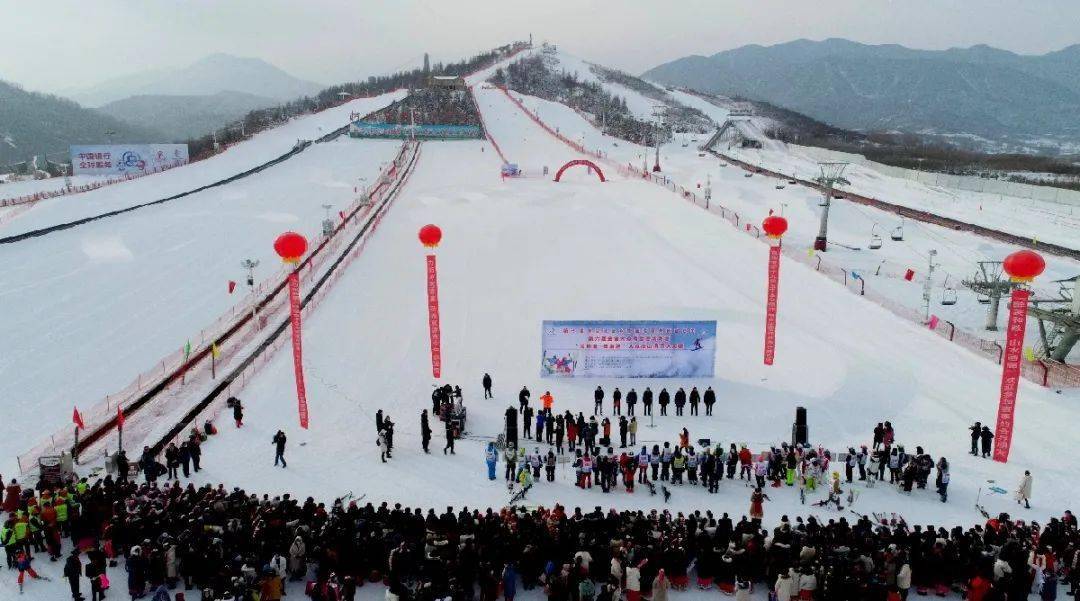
(250, 265)
(926, 286)
(830, 175)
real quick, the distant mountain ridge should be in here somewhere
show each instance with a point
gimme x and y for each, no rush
(185, 117)
(979, 90)
(35, 124)
(213, 74)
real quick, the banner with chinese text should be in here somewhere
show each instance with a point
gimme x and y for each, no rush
(628, 349)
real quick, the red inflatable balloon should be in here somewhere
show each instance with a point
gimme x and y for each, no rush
(290, 246)
(1024, 265)
(774, 226)
(430, 235)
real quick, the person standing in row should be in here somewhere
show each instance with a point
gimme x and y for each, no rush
(425, 431)
(487, 386)
(710, 400)
(598, 401)
(695, 399)
(523, 397)
(664, 400)
(631, 400)
(646, 401)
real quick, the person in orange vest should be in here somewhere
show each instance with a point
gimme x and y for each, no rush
(547, 399)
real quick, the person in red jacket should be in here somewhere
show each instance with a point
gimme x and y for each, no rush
(745, 458)
(978, 587)
(11, 499)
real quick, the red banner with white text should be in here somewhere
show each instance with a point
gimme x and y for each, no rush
(1010, 373)
(298, 359)
(770, 306)
(433, 317)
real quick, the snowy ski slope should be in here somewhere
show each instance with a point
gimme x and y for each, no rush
(261, 147)
(107, 300)
(517, 252)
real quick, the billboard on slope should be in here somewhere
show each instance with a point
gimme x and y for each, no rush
(628, 349)
(126, 159)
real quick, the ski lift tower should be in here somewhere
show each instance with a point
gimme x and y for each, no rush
(831, 173)
(1059, 326)
(989, 285)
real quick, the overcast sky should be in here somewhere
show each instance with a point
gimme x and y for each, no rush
(60, 44)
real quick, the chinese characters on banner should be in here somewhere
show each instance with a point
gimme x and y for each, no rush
(628, 349)
(433, 317)
(770, 308)
(298, 363)
(1010, 373)
(126, 159)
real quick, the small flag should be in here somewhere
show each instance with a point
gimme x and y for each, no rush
(341, 214)
(1029, 354)
(809, 252)
(1034, 241)
(187, 350)
(932, 324)
(215, 351)
(232, 286)
(855, 275)
(77, 419)
(119, 417)
(909, 275)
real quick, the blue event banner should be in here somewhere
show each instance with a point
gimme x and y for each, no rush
(628, 349)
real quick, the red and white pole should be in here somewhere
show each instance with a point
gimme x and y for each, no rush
(1022, 266)
(430, 236)
(774, 227)
(291, 246)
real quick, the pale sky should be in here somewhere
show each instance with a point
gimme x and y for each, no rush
(50, 46)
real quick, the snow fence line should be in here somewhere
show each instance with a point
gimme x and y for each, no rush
(69, 189)
(231, 385)
(1042, 371)
(182, 370)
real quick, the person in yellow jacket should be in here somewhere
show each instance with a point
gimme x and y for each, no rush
(7, 540)
(61, 508)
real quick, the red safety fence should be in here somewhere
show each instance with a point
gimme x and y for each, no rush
(175, 375)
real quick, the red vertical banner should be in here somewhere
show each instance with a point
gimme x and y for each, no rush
(433, 317)
(1010, 373)
(770, 306)
(298, 358)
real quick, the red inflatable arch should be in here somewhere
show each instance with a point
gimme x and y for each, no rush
(585, 162)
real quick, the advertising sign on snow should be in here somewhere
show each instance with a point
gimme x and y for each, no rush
(628, 349)
(126, 159)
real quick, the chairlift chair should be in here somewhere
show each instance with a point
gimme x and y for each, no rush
(780, 186)
(898, 233)
(984, 299)
(948, 296)
(748, 174)
(875, 239)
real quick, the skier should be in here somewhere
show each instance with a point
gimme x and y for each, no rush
(425, 431)
(986, 435)
(849, 464)
(695, 398)
(449, 437)
(631, 400)
(279, 448)
(22, 563)
(664, 400)
(646, 401)
(1023, 491)
(523, 397)
(598, 401)
(976, 432)
(487, 386)
(710, 400)
(491, 456)
(510, 459)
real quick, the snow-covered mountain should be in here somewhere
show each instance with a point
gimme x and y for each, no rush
(211, 75)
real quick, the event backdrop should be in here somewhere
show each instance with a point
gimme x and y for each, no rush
(126, 159)
(628, 349)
